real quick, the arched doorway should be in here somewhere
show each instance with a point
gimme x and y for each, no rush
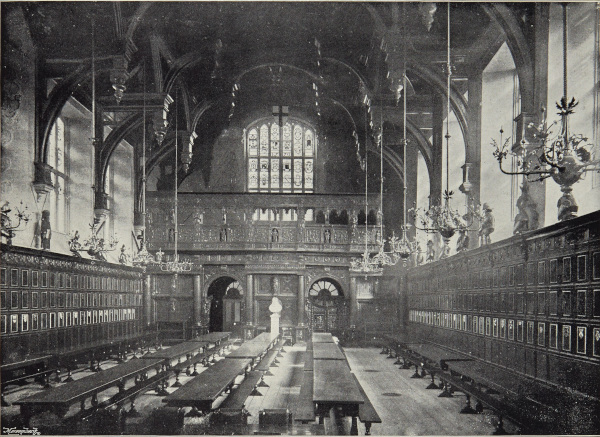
(225, 296)
(327, 307)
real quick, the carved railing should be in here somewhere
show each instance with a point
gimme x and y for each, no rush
(217, 222)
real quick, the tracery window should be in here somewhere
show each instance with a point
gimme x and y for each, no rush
(280, 159)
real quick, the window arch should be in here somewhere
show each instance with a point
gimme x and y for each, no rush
(280, 158)
(324, 289)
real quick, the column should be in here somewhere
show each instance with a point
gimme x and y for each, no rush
(353, 303)
(148, 283)
(301, 324)
(412, 160)
(435, 179)
(198, 302)
(249, 328)
(471, 185)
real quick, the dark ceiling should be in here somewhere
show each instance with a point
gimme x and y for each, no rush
(274, 51)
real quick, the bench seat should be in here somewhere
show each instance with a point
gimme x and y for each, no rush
(270, 357)
(237, 398)
(436, 354)
(366, 411)
(304, 409)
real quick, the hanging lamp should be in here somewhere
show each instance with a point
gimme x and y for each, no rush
(176, 265)
(564, 157)
(402, 248)
(443, 219)
(143, 257)
(365, 264)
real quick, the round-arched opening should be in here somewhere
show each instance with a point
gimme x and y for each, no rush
(328, 308)
(225, 297)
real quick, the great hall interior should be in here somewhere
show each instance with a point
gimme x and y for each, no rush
(300, 218)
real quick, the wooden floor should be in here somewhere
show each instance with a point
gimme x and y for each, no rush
(405, 406)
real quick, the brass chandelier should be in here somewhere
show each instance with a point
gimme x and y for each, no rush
(442, 218)
(564, 157)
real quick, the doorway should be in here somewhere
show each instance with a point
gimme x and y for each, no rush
(327, 306)
(225, 296)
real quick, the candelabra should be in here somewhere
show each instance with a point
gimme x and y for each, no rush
(94, 246)
(402, 248)
(564, 157)
(445, 220)
(175, 265)
(10, 225)
(365, 264)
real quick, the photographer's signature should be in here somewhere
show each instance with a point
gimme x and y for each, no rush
(20, 431)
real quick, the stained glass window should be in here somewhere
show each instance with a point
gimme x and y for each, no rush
(280, 159)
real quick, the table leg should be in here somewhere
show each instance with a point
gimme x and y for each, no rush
(132, 411)
(177, 383)
(500, 427)
(416, 374)
(467, 409)
(354, 427)
(432, 385)
(445, 393)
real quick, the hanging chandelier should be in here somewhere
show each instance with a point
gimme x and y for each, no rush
(175, 265)
(564, 157)
(443, 219)
(10, 223)
(403, 248)
(143, 257)
(367, 265)
(382, 258)
(94, 246)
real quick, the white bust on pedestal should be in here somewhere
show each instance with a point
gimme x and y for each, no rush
(275, 309)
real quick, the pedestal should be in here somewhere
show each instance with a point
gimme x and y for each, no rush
(274, 325)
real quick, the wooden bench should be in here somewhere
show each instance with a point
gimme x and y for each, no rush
(494, 402)
(304, 409)
(366, 411)
(204, 389)
(35, 367)
(506, 393)
(213, 337)
(309, 361)
(59, 399)
(436, 355)
(270, 357)
(203, 358)
(237, 399)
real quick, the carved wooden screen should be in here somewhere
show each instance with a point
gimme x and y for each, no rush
(327, 308)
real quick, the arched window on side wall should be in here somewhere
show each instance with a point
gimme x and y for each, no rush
(58, 158)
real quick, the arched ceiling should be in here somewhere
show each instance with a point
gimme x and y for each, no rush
(274, 51)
